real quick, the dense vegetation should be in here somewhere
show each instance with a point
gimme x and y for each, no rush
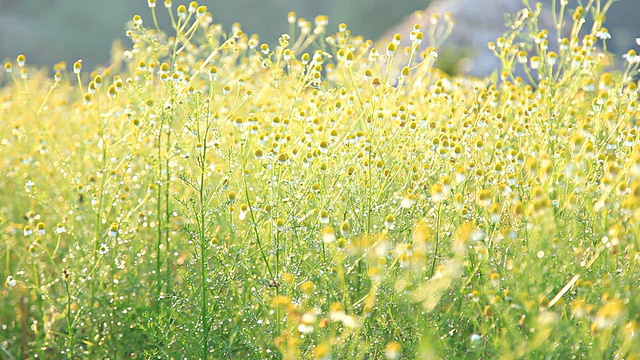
(207, 196)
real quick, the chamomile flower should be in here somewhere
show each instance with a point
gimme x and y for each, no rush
(103, 249)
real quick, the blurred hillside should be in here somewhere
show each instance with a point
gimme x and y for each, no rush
(49, 31)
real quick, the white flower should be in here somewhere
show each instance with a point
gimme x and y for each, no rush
(632, 57)
(60, 229)
(29, 185)
(10, 282)
(603, 34)
(103, 249)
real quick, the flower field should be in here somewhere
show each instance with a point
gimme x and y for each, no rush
(209, 195)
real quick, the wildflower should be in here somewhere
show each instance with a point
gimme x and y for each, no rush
(535, 62)
(283, 158)
(91, 88)
(350, 321)
(603, 34)
(494, 212)
(485, 197)
(416, 37)
(291, 17)
(306, 322)
(631, 57)
(437, 192)
(113, 230)
(328, 235)
(182, 11)
(27, 230)
(112, 92)
(307, 287)
(391, 49)
(103, 249)
(552, 58)
(324, 217)
(264, 48)
(29, 185)
(137, 21)
(10, 282)
(321, 352)
(349, 57)
(32, 248)
(522, 57)
(393, 350)
(390, 222)
(373, 55)
(8, 67)
(41, 228)
(60, 229)
(253, 42)
(193, 6)
(407, 201)
(201, 11)
(609, 315)
(21, 60)
(475, 338)
(244, 209)
(345, 229)
(405, 72)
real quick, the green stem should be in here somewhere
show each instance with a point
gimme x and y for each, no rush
(98, 220)
(159, 219)
(435, 254)
(167, 211)
(70, 332)
(203, 262)
(257, 234)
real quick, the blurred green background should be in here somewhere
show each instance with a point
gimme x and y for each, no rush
(49, 31)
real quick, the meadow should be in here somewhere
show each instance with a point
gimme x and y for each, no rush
(208, 196)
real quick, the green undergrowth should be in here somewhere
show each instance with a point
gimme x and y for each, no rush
(207, 196)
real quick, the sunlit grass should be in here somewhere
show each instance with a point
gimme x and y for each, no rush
(211, 196)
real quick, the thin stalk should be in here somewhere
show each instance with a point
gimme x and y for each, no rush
(201, 219)
(44, 101)
(155, 18)
(435, 253)
(203, 258)
(257, 234)
(167, 210)
(98, 219)
(70, 330)
(277, 244)
(8, 256)
(159, 219)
